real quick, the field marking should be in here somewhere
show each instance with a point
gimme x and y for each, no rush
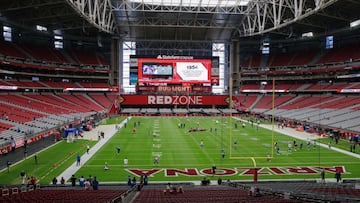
(156, 154)
(157, 140)
(254, 162)
(288, 164)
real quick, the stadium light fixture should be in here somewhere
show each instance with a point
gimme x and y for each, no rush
(6, 28)
(41, 28)
(355, 23)
(307, 34)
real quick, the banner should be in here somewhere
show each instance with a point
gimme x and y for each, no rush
(222, 100)
(177, 88)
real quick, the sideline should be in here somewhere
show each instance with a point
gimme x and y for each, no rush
(30, 156)
(110, 131)
(303, 136)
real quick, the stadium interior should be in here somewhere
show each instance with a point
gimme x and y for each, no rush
(72, 63)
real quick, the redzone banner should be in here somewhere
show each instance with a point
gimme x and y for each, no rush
(174, 100)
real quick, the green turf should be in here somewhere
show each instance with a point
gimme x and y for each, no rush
(180, 149)
(342, 143)
(51, 162)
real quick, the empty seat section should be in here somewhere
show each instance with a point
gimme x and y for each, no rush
(33, 102)
(10, 49)
(250, 87)
(339, 55)
(101, 99)
(255, 62)
(84, 57)
(41, 53)
(4, 126)
(81, 101)
(303, 102)
(339, 102)
(59, 85)
(246, 62)
(205, 195)
(85, 84)
(281, 59)
(17, 114)
(303, 58)
(57, 196)
(26, 84)
(267, 101)
(100, 85)
(101, 59)
(64, 106)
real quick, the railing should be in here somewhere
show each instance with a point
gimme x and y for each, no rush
(126, 197)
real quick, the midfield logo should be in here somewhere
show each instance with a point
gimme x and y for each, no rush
(300, 170)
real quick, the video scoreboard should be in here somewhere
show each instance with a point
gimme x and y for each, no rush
(174, 72)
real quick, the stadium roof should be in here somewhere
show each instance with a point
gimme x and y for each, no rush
(183, 20)
(192, 3)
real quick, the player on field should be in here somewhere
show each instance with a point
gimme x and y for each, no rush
(222, 153)
(201, 144)
(156, 160)
(235, 143)
(213, 168)
(277, 148)
(308, 143)
(295, 145)
(126, 161)
(289, 146)
(268, 158)
(106, 166)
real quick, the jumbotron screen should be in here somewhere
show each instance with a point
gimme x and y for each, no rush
(170, 71)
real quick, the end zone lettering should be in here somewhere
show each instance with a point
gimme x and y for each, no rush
(194, 172)
(175, 100)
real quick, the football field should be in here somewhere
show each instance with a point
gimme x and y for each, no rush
(188, 147)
